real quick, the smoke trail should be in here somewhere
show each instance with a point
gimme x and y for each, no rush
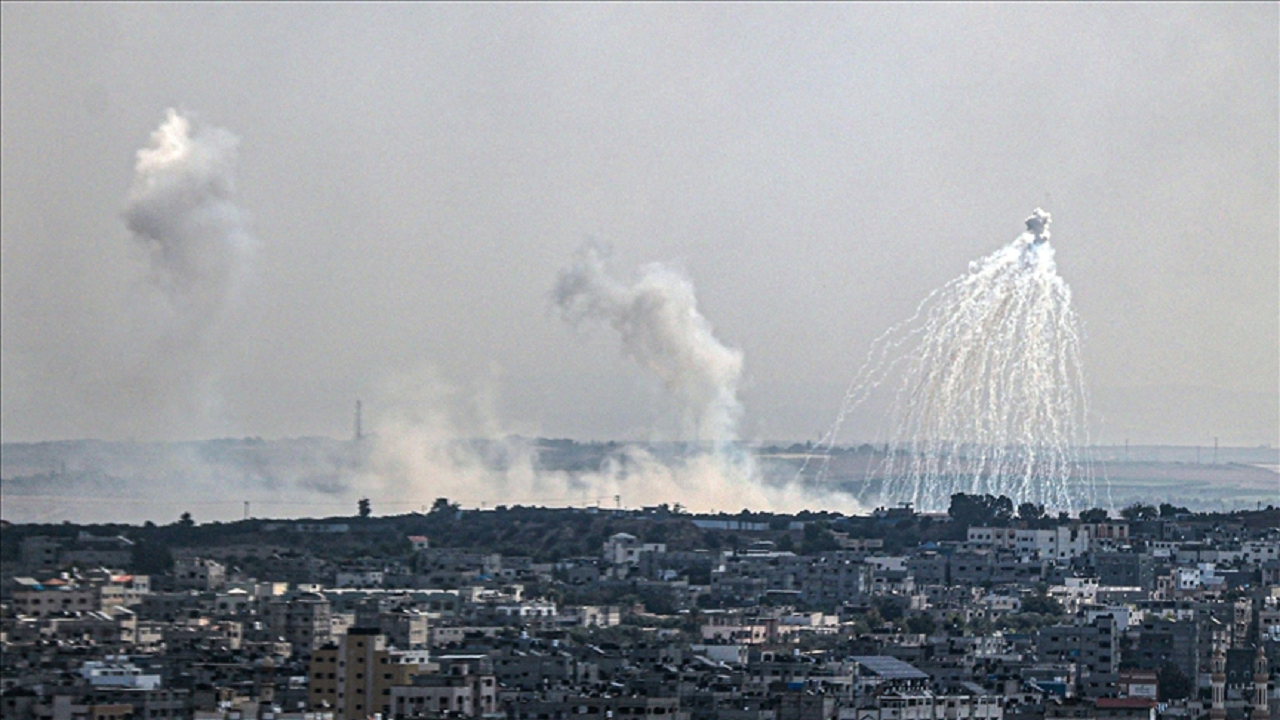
(661, 329)
(180, 210)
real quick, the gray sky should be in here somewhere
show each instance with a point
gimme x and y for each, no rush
(415, 177)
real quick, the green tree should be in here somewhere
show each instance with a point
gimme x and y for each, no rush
(817, 538)
(442, 505)
(362, 506)
(980, 510)
(151, 558)
(981, 627)
(1030, 511)
(922, 624)
(1139, 511)
(1042, 604)
(954, 625)
(1172, 683)
(888, 609)
(1093, 515)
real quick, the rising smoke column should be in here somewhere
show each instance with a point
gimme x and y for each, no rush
(988, 393)
(660, 327)
(424, 448)
(182, 214)
(181, 211)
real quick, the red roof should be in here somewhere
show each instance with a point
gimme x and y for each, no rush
(1129, 702)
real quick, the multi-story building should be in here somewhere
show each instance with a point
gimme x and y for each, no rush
(355, 676)
(454, 567)
(38, 600)
(1125, 569)
(303, 620)
(404, 628)
(198, 574)
(39, 553)
(929, 568)
(1058, 544)
(1093, 646)
(465, 686)
(626, 549)
(598, 708)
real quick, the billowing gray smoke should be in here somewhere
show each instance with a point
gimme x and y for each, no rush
(180, 212)
(180, 209)
(661, 329)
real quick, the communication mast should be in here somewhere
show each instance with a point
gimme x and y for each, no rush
(359, 427)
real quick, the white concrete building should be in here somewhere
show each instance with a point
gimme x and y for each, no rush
(118, 673)
(625, 549)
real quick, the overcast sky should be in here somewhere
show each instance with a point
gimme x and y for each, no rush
(415, 177)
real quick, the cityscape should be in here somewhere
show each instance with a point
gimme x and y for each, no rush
(985, 611)
(604, 361)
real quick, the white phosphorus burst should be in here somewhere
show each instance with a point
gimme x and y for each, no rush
(988, 393)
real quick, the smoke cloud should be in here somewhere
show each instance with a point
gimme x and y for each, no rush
(423, 447)
(419, 449)
(180, 210)
(181, 213)
(658, 321)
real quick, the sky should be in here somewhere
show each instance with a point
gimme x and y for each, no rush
(410, 181)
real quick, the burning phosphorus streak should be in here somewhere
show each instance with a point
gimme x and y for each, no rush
(988, 393)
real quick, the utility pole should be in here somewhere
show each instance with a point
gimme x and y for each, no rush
(246, 509)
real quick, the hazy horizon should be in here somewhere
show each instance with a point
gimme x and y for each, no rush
(93, 481)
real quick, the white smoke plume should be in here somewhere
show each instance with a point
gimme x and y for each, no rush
(423, 447)
(181, 213)
(420, 451)
(181, 210)
(661, 329)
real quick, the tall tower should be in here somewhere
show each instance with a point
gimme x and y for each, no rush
(1218, 678)
(1261, 681)
(265, 681)
(359, 422)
